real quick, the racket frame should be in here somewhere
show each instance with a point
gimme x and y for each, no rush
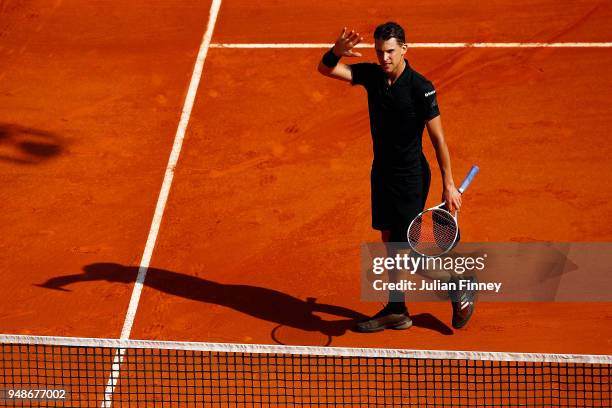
(464, 185)
(439, 207)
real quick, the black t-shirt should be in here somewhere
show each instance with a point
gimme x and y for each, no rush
(398, 114)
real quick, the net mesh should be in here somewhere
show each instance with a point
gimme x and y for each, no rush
(98, 372)
(433, 233)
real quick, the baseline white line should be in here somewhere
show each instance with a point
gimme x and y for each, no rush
(425, 45)
(162, 199)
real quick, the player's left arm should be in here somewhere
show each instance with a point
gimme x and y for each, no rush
(450, 194)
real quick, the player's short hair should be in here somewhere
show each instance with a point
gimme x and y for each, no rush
(390, 30)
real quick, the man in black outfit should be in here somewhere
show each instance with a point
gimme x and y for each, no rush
(401, 103)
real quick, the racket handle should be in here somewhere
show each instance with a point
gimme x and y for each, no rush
(468, 179)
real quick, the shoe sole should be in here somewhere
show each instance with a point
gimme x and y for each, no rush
(400, 326)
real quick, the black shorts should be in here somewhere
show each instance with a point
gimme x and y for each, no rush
(397, 199)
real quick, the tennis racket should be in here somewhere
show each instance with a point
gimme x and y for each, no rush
(435, 231)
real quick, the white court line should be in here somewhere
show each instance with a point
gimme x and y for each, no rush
(162, 199)
(427, 45)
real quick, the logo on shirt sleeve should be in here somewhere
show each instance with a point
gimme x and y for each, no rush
(430, 93)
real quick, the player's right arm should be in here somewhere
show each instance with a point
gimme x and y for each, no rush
(330, 65)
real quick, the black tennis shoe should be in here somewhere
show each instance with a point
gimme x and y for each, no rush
(385, 319)
(463, 301)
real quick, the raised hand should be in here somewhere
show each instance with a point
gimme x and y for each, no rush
(346, 42)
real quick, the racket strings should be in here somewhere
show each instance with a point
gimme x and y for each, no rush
(433, 232)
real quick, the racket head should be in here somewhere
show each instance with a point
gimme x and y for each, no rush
(433, 232)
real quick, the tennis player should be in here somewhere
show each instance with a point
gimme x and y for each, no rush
(401, 104)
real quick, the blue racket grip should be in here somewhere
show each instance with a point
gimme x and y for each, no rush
(468, 179)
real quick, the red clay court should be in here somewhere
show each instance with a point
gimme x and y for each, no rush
(194, 144)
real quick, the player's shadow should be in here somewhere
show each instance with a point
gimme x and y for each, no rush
(261, 303)
(431, 322)
(26, 145)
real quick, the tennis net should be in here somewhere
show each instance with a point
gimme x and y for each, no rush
(83, 372)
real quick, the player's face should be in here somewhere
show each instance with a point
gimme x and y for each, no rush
(390, 54)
